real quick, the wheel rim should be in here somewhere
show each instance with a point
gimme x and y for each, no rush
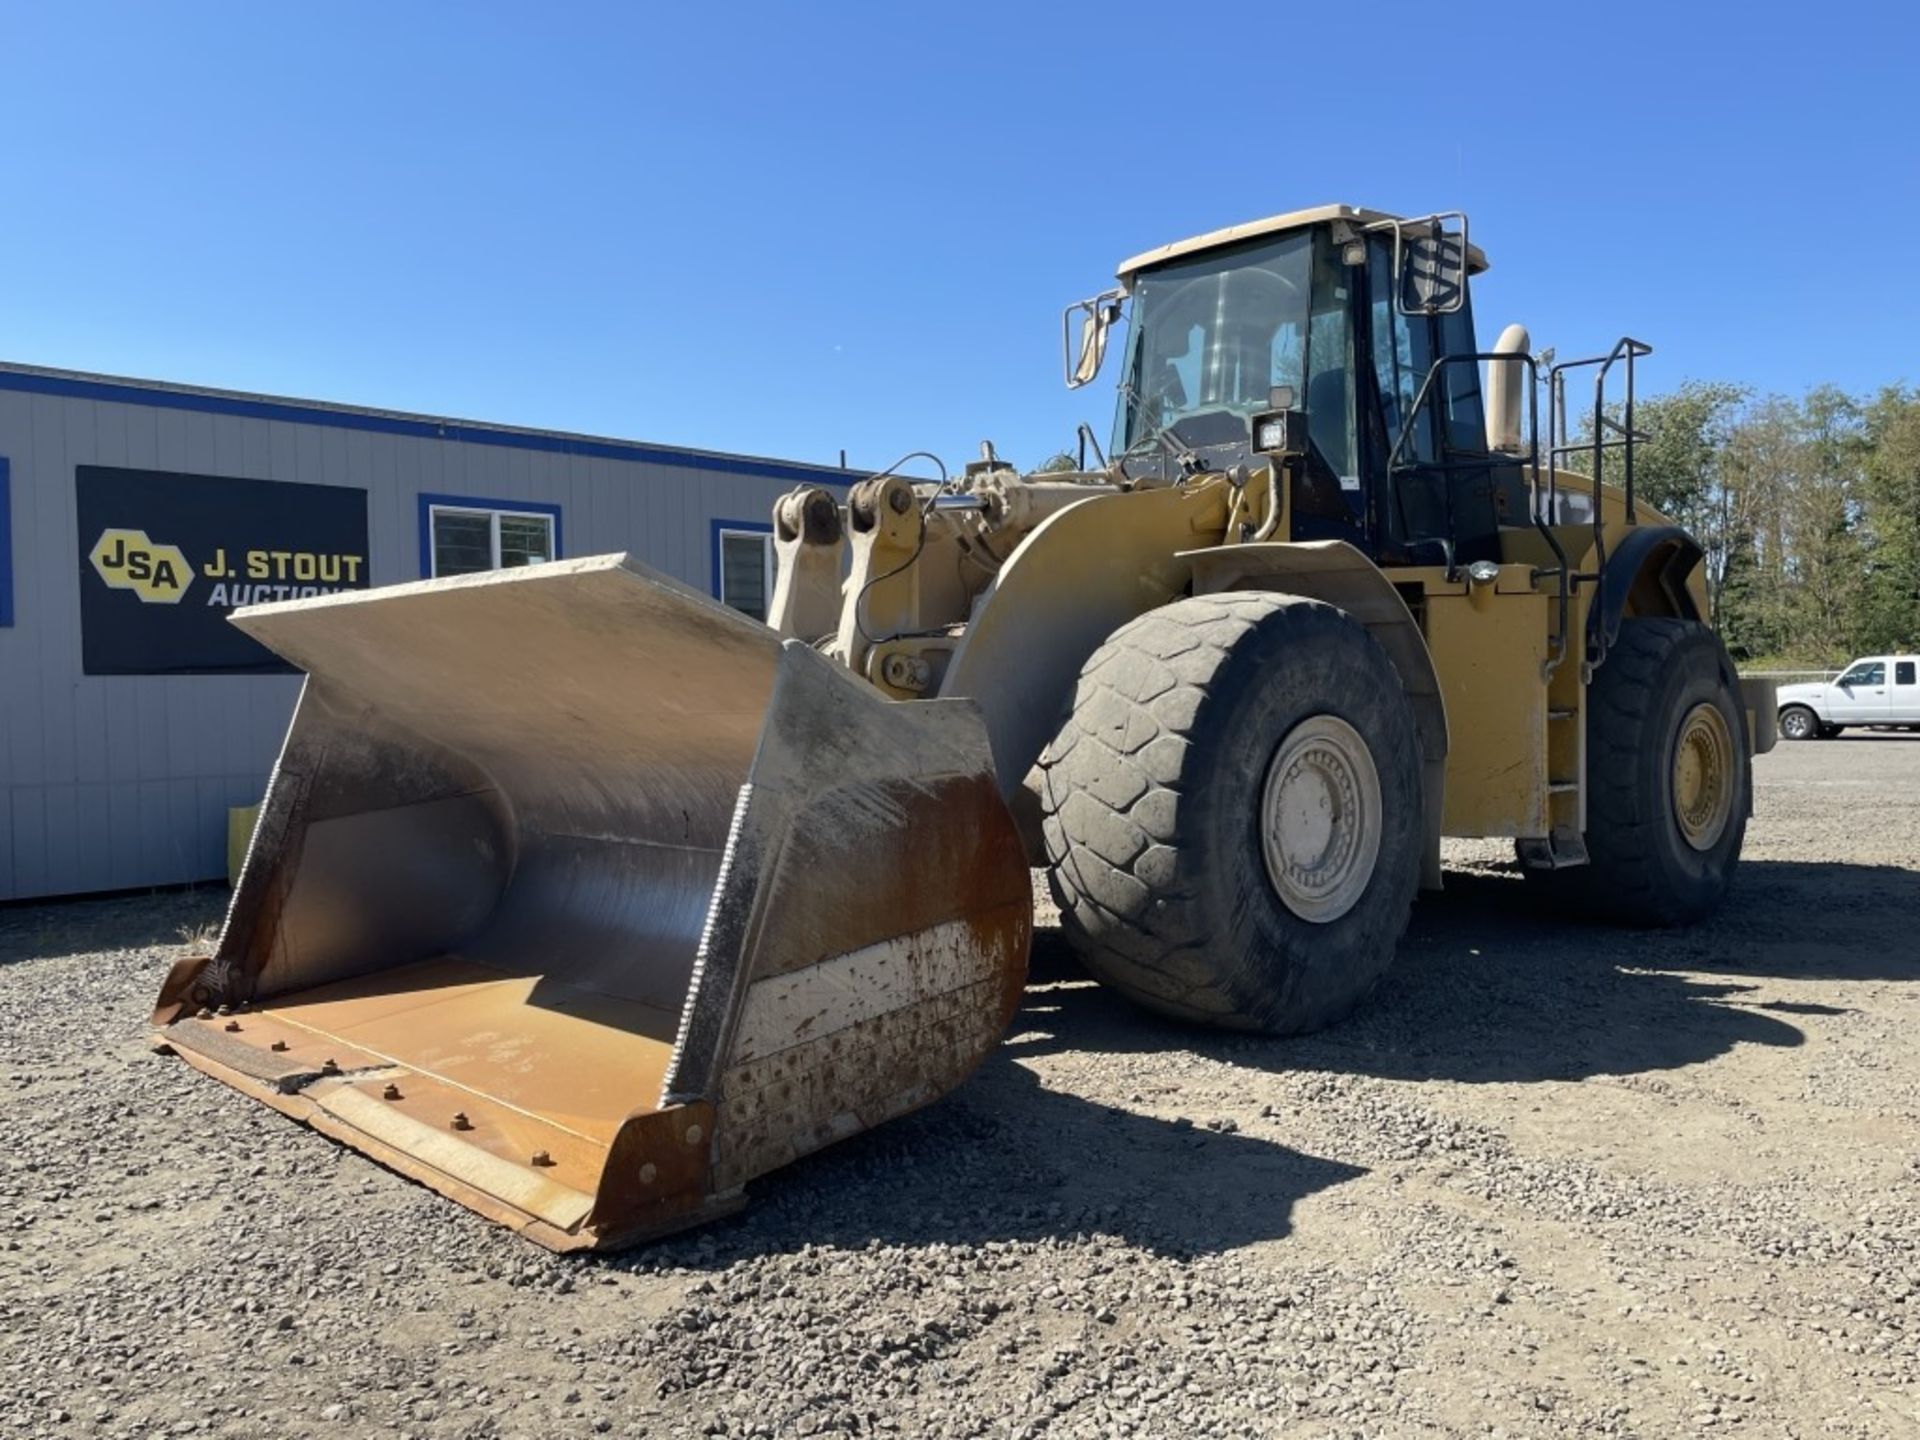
(1798, 725)
(1703, 776)
(1320, 819)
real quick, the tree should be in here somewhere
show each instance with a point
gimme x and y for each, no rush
(1823, 511)
(1890, 499)
(1808, 511)
(1678, 469)
(1763, 462)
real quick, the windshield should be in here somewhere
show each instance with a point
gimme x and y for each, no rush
(1211, 337)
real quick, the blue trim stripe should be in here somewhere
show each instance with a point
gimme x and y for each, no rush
(479, 502)
(422, 428)
(6, 545)
(755, 527)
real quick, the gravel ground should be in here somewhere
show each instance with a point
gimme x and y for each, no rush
(1554, 1181)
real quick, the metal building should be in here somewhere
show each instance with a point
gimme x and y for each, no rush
(134, 515)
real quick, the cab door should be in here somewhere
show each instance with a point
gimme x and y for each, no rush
(1447, 497)
(1903, 696)
(1860, 695)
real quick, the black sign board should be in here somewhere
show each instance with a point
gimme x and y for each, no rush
(165, 558)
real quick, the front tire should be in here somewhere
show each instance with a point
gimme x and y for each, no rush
(1232, 813)
(1797, 722)
(1670, 780)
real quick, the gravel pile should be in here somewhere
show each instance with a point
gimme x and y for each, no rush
(1554, 1181)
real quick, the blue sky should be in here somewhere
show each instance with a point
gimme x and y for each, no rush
(790, 229)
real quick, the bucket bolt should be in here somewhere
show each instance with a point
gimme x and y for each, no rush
(392, 1092)
(279, 1047)
(233, 1027)
(203, 1013)
(460, 1120)
(542, 1158)
(330, 1065)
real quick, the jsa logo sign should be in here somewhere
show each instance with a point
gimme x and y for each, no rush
(128, 560)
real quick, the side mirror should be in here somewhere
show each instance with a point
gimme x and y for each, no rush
(1429, 263)
(1085, 357)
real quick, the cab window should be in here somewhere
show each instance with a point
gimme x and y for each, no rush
(1330, 368)
(1402, 355)
(1903, 672)
(1466, 419)
(1867, 672)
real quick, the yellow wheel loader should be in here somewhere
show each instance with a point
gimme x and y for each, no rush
(587, 901)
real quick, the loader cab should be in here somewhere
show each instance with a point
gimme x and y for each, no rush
(1321, 312)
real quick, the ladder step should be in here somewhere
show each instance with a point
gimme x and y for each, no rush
(1561, 713)
(1562, 787)
(1562, 849)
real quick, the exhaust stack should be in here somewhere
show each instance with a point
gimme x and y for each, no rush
(1506, 389)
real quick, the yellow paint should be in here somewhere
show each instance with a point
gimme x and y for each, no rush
(1489, 649)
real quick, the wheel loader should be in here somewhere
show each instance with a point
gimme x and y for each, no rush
(586, 901)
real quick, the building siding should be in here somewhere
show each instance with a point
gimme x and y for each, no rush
(122, 782)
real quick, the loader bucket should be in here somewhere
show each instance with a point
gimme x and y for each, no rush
(585, 900)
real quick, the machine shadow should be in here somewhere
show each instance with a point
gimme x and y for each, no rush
(149, 920)
(1493, 984)
(1006, 1159)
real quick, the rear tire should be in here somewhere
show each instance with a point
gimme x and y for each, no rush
(1669, 776)
(1797, 722)
(1232, 814)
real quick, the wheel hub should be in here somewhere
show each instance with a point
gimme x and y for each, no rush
(1703, 776)
(1320, 819)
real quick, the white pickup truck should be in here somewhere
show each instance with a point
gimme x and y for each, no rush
(1881, 690)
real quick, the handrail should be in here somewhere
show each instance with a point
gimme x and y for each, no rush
(1628, 349)
(1542, 516)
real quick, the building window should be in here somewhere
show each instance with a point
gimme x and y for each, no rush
(464, 537)
(743, 566)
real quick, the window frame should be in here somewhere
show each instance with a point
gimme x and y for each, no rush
(481, 505)
(760, 530)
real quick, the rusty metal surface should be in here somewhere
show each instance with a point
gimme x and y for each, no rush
(877, 885)
(534, 841)
(536, 763)
(577, 1058)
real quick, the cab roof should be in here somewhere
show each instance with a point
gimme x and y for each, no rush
(1272, 225)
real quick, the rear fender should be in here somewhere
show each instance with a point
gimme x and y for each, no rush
(1652, 570)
